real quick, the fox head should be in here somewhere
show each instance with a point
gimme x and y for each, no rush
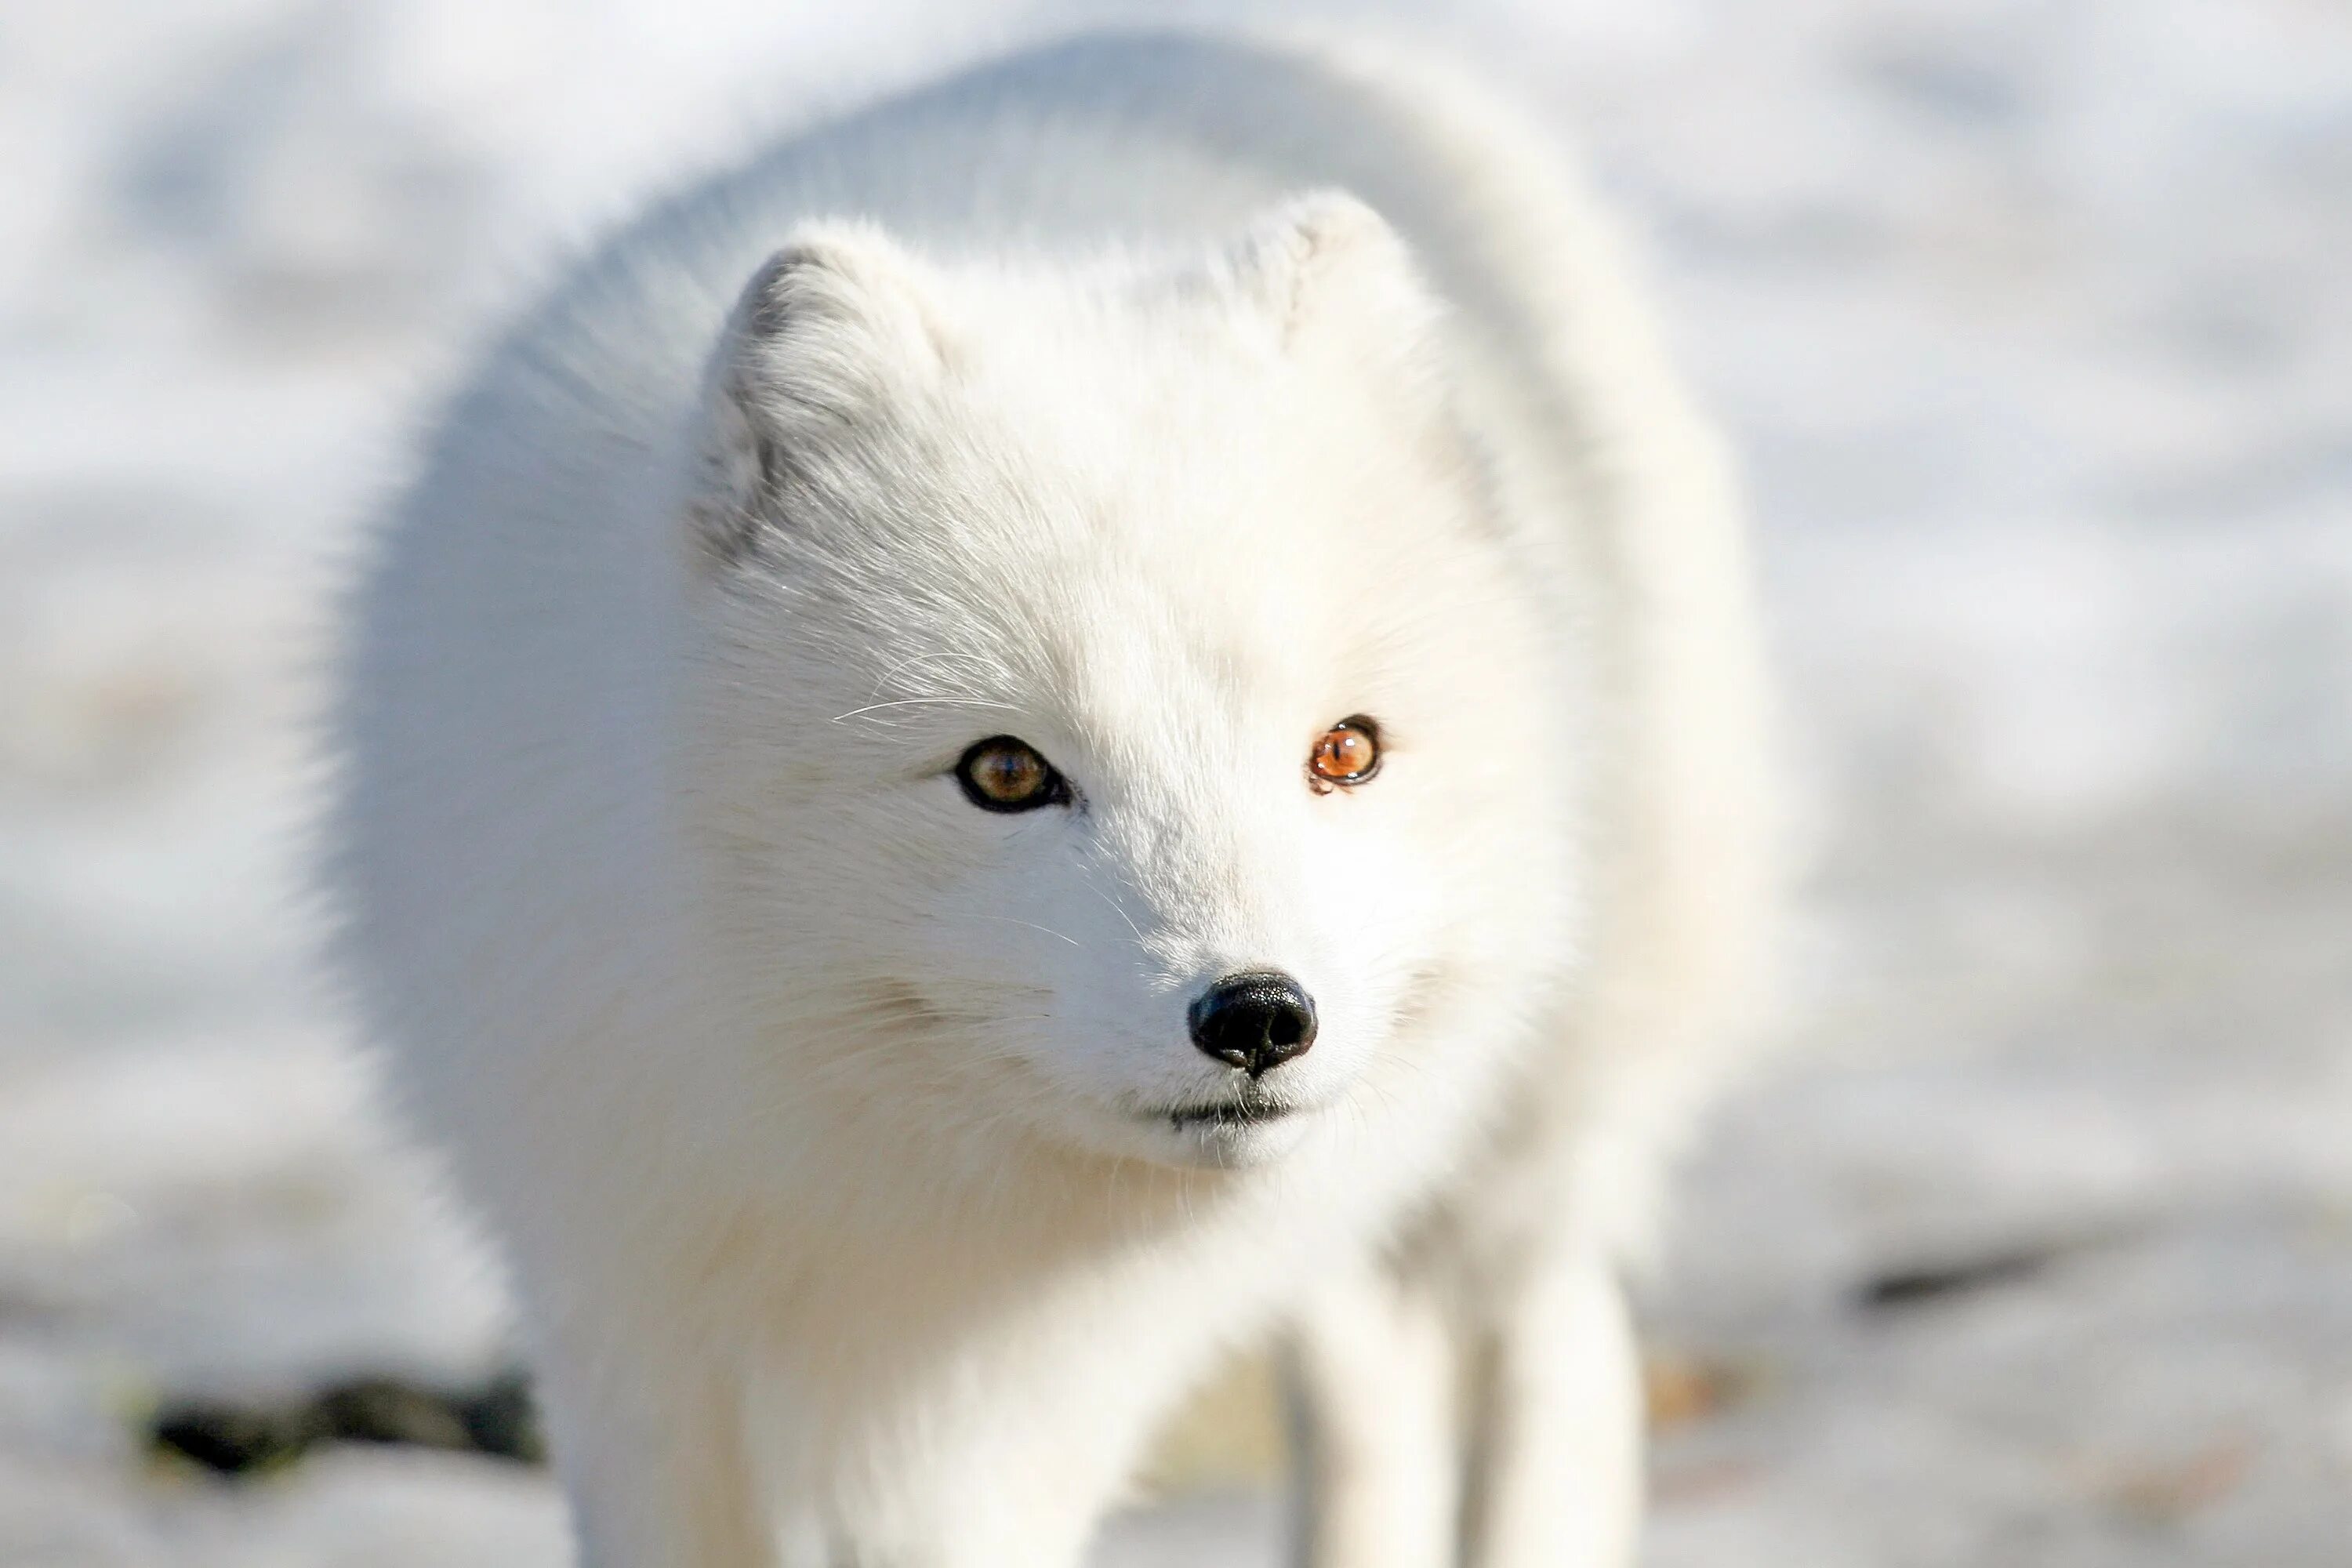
(1121, 719)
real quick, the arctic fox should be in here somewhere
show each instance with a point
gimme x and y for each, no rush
(1099, 713)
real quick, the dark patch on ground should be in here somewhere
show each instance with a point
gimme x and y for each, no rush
(496, 1417)
(1923, 1284)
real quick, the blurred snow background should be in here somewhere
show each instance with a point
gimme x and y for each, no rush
(2034, 321)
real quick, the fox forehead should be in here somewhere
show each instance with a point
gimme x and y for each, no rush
(1006, 563)
(1097, 649)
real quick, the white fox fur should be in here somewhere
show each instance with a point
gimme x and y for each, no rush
(1161, 401)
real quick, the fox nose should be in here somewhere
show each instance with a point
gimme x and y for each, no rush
(1256, 1020)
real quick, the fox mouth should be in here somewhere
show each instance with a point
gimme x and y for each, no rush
(1227, 1113)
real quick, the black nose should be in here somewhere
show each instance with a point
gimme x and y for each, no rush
(1254, 1022)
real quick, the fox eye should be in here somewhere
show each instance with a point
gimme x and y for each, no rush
(1348, 752)
(1001, 773)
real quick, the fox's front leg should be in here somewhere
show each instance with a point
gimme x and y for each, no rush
(1556, 1446)
(652, 1452)
(1373, 1369)
(1013, 1468)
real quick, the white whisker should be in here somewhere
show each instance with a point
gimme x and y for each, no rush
(1032, 925)
(921, 702)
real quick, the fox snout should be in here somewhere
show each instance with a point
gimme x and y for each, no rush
(1256, 1020)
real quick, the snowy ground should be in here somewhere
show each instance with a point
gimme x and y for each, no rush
(2035, 321)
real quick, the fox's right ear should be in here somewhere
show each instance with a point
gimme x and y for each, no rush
(832, 330)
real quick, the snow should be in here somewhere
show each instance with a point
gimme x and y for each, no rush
(2034, 326)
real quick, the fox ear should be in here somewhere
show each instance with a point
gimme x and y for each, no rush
(831, 330)
(1333, 277)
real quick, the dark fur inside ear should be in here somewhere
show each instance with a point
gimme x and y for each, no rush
(768, 313)
(828, 331)
(740, 467)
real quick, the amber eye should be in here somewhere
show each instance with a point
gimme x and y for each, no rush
(1347, 753)
(1001, 773)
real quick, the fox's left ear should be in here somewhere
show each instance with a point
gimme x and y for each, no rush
(1333, 279)
(833, 331)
